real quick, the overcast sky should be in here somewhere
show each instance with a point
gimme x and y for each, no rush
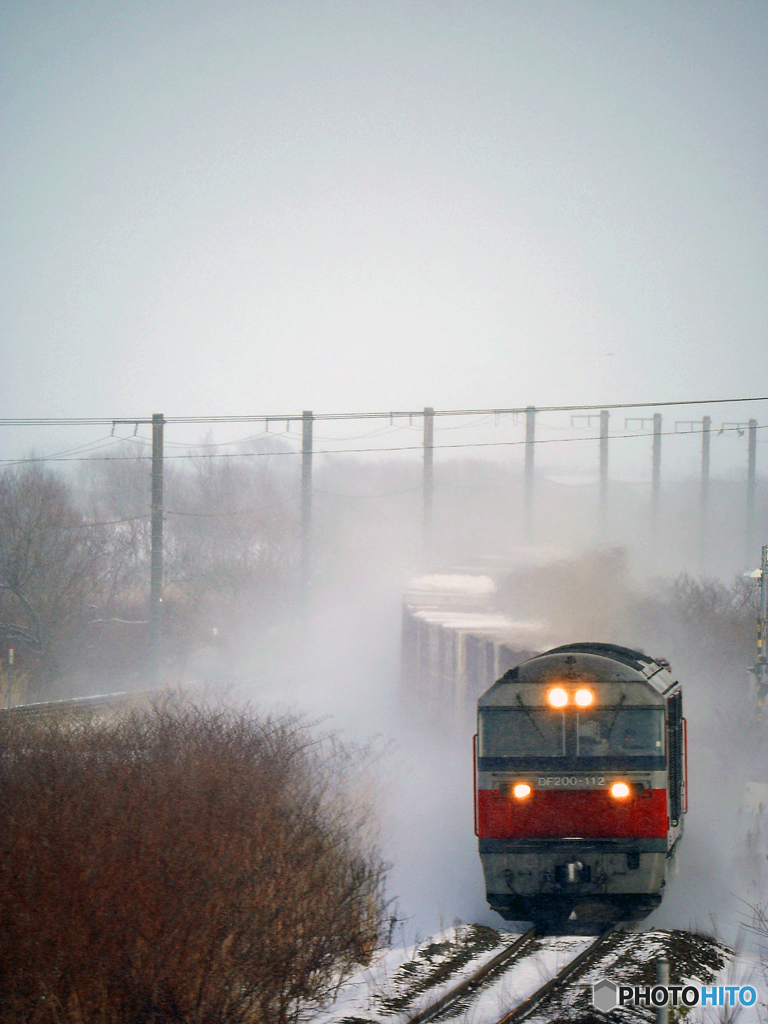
(217, 207)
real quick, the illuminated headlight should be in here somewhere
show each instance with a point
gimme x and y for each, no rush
(558, 698)
(620, 790)
(521, 790)
(584, 698)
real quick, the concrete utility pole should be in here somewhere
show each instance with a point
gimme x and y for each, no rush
(655, 464)
(589, 420)
(10, 676)
(604, 416)
(751, 468)
(662, 978)
(530, 441)
(760, 671)
(706, 437)
(428, 479)
(656, 471)
(761, 668)
(156, 558)
(306, 504)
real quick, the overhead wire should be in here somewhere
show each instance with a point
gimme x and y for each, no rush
(294, 417)
(86, 525)
(103, 442)
(202, 445)
(236, 512)
(388, 429)
(388, 494)
(370, 451)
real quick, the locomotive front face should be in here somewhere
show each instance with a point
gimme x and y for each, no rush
(575, 812)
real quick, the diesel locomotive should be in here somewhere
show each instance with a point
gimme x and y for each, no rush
(580, 785)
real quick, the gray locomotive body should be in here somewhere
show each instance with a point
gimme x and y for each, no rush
(580, 785)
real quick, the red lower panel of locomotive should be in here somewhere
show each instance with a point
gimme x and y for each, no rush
(586, 814)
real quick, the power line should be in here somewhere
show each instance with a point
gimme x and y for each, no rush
(88, 525)
(236, 512)
(363, 497)
(399, 414)
(365, 451)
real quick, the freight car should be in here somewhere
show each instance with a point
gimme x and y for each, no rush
(580, 785)
(457, 638)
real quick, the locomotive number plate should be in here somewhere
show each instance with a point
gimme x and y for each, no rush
(571, 782)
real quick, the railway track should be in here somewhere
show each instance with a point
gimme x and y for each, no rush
(496, 963)
(474, 973)
(534, 1001)
(454, 1002)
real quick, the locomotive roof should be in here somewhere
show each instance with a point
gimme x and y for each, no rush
(609, 663)
(626, 655)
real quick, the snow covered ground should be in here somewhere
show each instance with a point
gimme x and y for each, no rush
(403, 980)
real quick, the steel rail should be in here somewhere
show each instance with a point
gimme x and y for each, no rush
(529, 1005)
(470, 983)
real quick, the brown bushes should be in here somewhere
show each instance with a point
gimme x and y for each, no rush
(183, 864)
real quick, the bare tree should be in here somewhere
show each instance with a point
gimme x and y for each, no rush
(228, 545)
(230, 536)
(51, 570)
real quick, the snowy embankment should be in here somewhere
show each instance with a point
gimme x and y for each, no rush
(402, 980)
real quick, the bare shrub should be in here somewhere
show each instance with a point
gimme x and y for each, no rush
(712, 623)
(184, 864)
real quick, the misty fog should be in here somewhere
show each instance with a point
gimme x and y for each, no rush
(619, 585)
(237, 623)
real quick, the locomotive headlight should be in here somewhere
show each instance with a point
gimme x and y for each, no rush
(584, 698)
(620, 790)
(521, 790)
(558, 698)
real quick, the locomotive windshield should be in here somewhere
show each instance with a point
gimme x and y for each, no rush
(628, 732)
(599, 733)
(524, 732)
